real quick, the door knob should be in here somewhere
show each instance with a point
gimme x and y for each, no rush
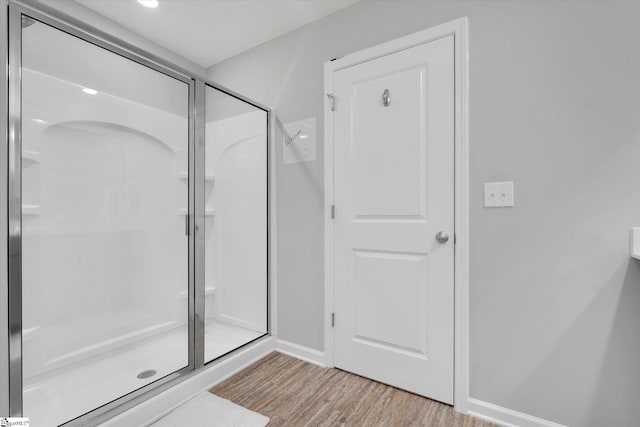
(442, 237)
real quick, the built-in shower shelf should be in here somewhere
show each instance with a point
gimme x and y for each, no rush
(30, 333)
(208, 290)
(635, 243)
(33, 210)
(185, 176)
(30, 158)
(207, 212)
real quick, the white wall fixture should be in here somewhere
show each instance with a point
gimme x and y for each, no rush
(498, 194)
(299, 141)
(635, 243)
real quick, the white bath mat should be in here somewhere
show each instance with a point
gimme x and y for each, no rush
(207, 410)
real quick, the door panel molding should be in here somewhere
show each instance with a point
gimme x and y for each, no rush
(459, 29)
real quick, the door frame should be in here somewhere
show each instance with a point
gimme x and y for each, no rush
(459, 29)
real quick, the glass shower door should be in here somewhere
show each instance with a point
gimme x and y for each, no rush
(235, 203)
(105, 199)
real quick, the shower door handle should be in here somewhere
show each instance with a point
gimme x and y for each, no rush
(186, 224)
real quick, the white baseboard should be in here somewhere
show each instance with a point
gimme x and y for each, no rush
(160, 405)
(504, 416)
(300, 352)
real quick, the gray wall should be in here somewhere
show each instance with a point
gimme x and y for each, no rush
(555, 107)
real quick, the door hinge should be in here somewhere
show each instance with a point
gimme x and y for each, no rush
(455, 238)
(332, 99)
(333, 320)
(186, 224)
(333, 211)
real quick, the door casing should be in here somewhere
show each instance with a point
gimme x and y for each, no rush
(459, 29)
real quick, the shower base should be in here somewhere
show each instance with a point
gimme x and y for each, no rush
(63, 394)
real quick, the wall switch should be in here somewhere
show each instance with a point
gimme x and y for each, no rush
(498, 194)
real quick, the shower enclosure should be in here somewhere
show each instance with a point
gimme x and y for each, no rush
(137, 221)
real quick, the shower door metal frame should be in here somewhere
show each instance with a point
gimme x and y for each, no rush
(15, 12)
(4, 279)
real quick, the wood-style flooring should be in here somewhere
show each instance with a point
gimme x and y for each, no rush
(295, 393)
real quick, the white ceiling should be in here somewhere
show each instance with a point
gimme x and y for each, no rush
(209, 31)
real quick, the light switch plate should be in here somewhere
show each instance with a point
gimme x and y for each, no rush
(498, 194)
(299, 141)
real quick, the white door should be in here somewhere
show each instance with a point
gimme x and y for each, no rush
(394, 191)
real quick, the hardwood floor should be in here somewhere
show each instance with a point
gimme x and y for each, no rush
(295, 393)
